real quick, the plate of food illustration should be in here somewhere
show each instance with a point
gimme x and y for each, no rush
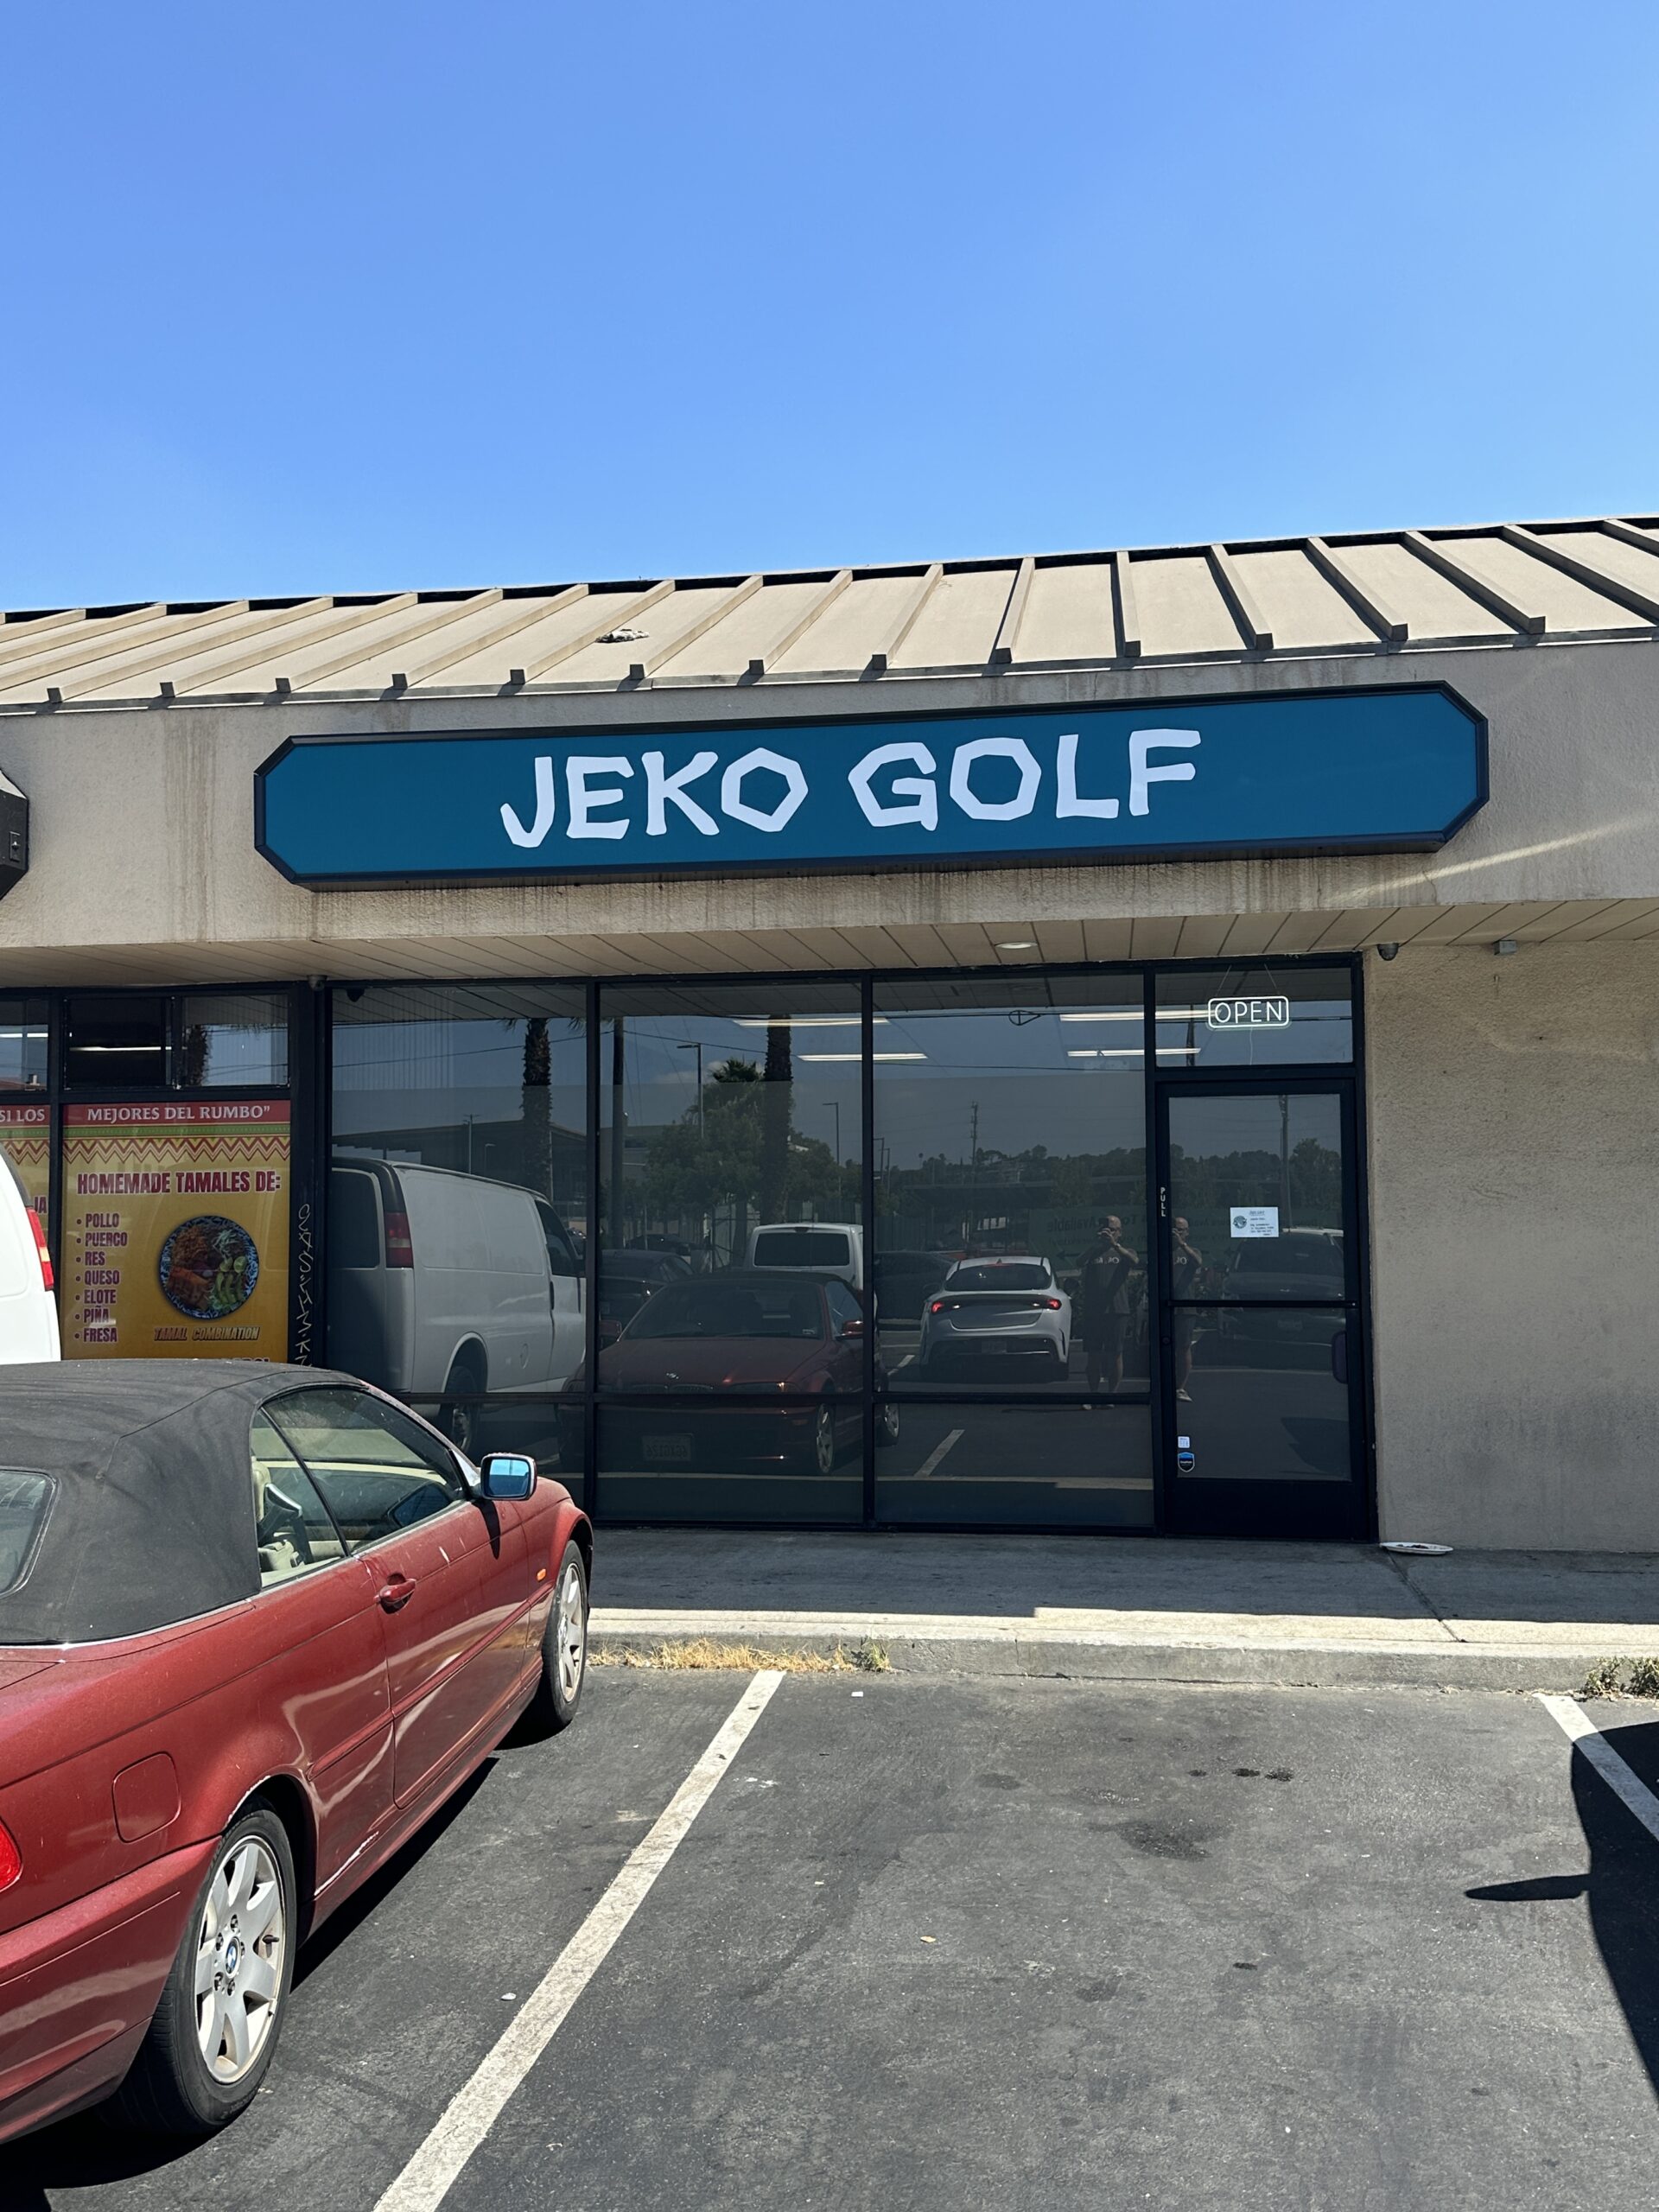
(208, 1267)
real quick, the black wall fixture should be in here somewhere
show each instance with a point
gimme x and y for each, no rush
(13, 834)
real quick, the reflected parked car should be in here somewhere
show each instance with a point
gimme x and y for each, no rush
(1007, 1310)
(1298, 1267)
(629, 1277)
(748, 1333)
(256, 1624)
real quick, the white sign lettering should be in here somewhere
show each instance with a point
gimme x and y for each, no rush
(1250, 1013)
(909, 801)
(1254, 1221)
(923, 795)
(577, 770)
(732, 801)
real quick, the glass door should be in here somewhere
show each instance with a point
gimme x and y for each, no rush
(1259, 1313)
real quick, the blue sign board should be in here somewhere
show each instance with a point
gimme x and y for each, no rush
(1394, 770)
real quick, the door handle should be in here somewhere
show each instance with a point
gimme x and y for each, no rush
(396, 1590)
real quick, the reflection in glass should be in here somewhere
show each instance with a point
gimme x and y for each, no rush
(1266, 1397)
(1260, 1016)
(1257, 1196)
(458, 1193)
(730, 1162)
(793, 1460)
(1063, 1467)
(548, 1430)
(115, 1040)
(232, 1038)
(23, 1044)
(1010, 1126)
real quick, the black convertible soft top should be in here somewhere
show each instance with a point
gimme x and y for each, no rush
(152, 1515)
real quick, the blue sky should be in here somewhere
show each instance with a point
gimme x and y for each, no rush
(350, 296)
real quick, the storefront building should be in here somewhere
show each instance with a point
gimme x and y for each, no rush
(1146, 1043)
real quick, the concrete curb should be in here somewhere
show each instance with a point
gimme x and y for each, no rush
(1071, 1656)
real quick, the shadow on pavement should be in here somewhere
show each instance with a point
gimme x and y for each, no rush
(1622, 1886)
(90, 2148)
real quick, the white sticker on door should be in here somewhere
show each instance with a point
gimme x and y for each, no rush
(1255, 1221)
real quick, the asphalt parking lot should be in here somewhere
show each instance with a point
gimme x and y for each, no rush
(937, 1943)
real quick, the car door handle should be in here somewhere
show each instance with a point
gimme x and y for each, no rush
(396, 1590)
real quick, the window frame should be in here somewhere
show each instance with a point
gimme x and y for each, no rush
(458, 1466)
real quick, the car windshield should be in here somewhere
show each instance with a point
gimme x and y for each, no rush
(718, 1309)
(25, 1499)
(1001, 1275)
(800, 1248)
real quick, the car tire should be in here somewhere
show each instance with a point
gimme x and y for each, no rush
(461, 1424)
(180, 2083)
(564, 1648)
(818, 1453)
(886, 1423)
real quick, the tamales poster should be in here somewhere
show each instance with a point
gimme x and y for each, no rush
(175, 1230)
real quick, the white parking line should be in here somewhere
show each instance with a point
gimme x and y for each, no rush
(469, 2116)
(1576, 1723)
(937, 1454)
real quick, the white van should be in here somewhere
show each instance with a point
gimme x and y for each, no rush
(28, 1310)
(819, 1248)
(443, 1283)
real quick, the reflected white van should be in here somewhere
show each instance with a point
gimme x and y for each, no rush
(443, 1284)
(28, 1309)
(819, 1248)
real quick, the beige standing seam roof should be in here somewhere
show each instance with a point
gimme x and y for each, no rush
(1383, 592)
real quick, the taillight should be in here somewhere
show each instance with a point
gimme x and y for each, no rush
(1052, 1304)
(400, 1251)
(937, 1306)
(11, 1859)
(42, 1252)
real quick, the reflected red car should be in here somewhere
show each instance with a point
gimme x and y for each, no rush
(256, 1624)
(779, 1356)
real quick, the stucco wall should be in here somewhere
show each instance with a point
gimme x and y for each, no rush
(1514, 1133)
(142, 830)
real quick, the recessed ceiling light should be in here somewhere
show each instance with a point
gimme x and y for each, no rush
(1019, 944)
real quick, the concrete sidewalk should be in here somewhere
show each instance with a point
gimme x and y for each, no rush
(1137, 1609)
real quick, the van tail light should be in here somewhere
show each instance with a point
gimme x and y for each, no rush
(400, 1250)
(11, 1859)
(43, 1253)
(1052, 1304)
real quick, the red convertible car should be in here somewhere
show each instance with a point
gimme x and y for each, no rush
(255, 1624)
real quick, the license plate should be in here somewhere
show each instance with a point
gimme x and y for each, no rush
(669, 1448)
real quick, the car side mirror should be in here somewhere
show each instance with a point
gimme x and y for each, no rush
(1339, 1355)
(507, 1476)
(853, 1328)
(609, 1329)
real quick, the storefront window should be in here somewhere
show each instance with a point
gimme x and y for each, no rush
(23, 1044)
(117, 1042)
(1011, 1174)
(25, 1120)
(457, 1203)
(731, 1260)
(1017, 1465)
(231, 1039)
(1254, 1017)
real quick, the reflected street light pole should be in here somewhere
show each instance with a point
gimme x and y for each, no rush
(833, 1106)
(697, 1049)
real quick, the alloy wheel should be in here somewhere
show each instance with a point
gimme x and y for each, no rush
(570, 1632)
(239, 1947)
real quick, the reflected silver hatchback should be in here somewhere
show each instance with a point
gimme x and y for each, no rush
(1005, 1310)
